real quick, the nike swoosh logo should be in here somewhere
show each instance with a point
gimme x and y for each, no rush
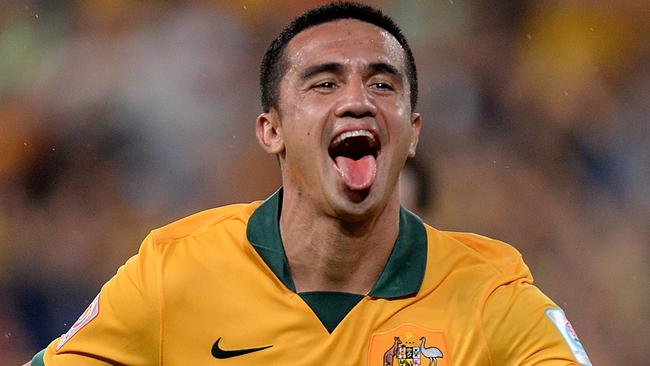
(219, 353)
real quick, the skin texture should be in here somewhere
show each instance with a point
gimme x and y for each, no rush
(343, 75)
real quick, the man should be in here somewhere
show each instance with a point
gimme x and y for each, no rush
(330, 270)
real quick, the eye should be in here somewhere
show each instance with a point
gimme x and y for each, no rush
(325, 85)
(382, 86)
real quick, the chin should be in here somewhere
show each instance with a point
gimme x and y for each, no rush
(356, 205)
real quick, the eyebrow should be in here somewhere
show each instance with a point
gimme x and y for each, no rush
(333, 67)
(385, 68)
(337, 68)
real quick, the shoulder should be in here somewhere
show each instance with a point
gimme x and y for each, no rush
(201, 240)
(501, 257)
(201, 222)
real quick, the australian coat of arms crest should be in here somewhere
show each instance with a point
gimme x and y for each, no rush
(412, 354)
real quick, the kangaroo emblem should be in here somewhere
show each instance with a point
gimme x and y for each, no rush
(390, 354)
(432, 353)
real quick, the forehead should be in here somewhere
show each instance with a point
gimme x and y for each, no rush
(344, 41)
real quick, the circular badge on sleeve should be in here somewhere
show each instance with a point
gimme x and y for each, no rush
(86, 317)
(558, 318)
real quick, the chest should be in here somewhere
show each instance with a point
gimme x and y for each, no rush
(265, 325)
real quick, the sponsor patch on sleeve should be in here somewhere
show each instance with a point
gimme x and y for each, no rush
(88, 315)
(558, 318)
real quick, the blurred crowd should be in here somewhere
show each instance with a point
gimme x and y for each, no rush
(117, 117)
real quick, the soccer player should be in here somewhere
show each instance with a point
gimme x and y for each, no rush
(329, 270)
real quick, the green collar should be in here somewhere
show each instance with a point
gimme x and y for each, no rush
(401, 277)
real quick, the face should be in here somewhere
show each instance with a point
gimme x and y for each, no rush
(344, 125)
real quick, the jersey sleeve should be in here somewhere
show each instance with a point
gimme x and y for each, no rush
(122, 325)
(524, 327)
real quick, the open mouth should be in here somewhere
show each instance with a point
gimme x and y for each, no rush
(355, 157)
(354, 145)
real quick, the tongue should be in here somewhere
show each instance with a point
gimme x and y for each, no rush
(357, 174)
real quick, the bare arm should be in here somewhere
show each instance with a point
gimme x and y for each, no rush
(28, 363)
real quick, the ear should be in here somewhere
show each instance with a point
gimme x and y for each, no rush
(269, 132)
(416, 124)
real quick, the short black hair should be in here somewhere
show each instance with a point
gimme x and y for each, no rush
(274, 64)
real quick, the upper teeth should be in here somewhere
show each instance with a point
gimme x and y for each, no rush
(349, 134)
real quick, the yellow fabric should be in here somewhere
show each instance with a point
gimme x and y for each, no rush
(199, 279)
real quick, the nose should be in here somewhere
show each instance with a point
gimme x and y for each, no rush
(355, 101)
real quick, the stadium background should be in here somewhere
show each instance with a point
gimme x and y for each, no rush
(117, 117)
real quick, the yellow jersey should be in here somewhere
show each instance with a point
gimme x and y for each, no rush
(215, 288)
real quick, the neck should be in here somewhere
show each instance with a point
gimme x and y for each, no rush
(326, 253)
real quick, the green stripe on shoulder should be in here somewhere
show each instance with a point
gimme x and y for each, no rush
(38, 359)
